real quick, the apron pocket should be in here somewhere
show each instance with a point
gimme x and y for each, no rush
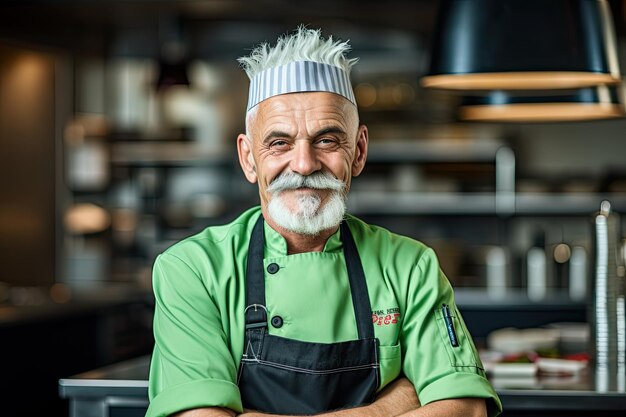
(301, 378)
(390, 364)
(281, 390)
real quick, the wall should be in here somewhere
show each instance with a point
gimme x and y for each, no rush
(27, 168)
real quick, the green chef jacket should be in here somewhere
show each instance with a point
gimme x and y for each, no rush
(199, 285)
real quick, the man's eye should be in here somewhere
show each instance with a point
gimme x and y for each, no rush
(326, 141)
(279, 144)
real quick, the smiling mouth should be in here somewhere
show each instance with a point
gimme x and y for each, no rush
(305, 190)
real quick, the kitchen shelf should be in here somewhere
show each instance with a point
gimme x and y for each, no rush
(506, 204)
(514, 299)
(473, 151)
(448, 150)
(389, 202)
(168, 154)
(566, 203)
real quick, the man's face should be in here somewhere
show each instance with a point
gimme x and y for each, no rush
(305, 134)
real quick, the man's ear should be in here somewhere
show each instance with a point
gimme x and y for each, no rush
(360, 153)
(246, 158)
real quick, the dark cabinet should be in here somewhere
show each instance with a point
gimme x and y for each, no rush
(40, 345)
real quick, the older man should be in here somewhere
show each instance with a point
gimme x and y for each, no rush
(295, 307)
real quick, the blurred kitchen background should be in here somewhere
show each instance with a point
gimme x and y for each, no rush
(118, 122)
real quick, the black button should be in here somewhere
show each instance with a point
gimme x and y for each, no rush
(273, 268)
(277, 321)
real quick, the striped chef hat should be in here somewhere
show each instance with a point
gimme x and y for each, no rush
(299, 77)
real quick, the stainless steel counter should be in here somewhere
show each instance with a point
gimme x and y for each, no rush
(100, 392)
(588, 391)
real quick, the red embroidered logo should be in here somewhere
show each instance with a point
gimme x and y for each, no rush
(386, 317)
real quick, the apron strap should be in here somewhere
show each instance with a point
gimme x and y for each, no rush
(358, 285)
(255, 312)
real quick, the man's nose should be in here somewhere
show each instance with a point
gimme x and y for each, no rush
(305, 160)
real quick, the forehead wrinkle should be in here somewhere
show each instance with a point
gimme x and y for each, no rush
(273, 119)
(288, 129)
(302, 114)
(317, 125)
(327, 119)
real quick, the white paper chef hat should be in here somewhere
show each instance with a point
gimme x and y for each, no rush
(299, 62)
(298, 77)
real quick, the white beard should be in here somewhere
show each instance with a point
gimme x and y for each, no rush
(308, 218)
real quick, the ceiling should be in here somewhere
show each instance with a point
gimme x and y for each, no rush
(210, 28)
(221, 29)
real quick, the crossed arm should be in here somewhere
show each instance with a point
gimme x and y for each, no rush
(397, 399)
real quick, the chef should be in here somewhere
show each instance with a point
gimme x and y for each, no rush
(297, 308)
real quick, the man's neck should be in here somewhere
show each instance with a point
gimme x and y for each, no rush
(299, 243)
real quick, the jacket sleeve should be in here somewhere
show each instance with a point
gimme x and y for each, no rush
(438, 358)
(192, 365)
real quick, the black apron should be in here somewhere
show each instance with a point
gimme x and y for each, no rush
(285, 376)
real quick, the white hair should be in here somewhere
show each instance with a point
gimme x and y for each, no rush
(302, 45)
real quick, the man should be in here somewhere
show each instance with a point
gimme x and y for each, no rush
(296, 307)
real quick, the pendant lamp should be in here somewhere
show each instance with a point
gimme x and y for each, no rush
(172, 73)
(522, 45)
(173, 61)
(591, 103)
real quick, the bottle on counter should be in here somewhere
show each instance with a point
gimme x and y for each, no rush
(536, 269)
(497, 276)
(578, 274)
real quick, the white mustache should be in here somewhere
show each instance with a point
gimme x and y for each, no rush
(317, 180)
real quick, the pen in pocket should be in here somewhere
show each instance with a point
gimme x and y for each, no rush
(445, 310)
